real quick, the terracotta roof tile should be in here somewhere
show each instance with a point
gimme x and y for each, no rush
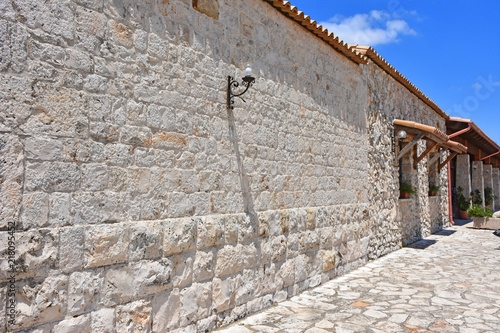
(455, 146)
(305, 20)
(431, 132)
(382, 63)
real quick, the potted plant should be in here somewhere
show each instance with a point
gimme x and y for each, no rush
(476, 211)
(405, 190)
(463, 204)
(433, 189)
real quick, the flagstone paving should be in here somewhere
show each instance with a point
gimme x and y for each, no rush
(449, 282)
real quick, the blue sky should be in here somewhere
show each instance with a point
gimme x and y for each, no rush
(449, 50)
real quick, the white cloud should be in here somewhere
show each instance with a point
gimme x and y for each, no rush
(374, 28)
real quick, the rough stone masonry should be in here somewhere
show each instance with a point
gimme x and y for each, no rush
(140, 203)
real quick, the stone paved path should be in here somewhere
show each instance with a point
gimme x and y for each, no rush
(449, 282)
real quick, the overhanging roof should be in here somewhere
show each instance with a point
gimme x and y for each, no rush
(455, 146)
(473, 134)
(430, 133)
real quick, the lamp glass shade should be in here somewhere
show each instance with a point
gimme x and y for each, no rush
(248, 69)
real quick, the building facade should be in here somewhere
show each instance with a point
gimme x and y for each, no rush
(142, 203)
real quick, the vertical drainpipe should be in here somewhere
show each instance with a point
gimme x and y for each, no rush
(450, 203)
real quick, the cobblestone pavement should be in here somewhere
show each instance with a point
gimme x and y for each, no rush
(449, 282)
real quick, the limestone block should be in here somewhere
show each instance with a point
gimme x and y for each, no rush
(247, 287)
(273, 249)
(93, 4)
(329, 260)
(195, 303)
(223, 294)
(119, 154)
(230, 229)
(105, 132)
(301, 263)
(203, 266)
(292, 246)
(77, 324)
(287, 272)
(139, 180)
(326, 237)
(183, 274)
(59, 209)
(210, 231)
(265, 280)
(136, 136)
(145, 240)
(11, 173)
(247, 228)
(35, 210)
(103, 321)
(36, 253)
(200, 202)
(117, 179)
(232, 259)
(43, 148)
(94, 177)
(179, 235)
(166, 311)
(134, 317)
(308, 241)
(58, 113)
(52, 176)
(121, 34)
(119, 286)
(157, 47)
(84, 291)
(40, 301)
(311, 218)
(105, 245)
(151, 277)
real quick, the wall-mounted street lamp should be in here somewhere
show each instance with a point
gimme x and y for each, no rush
(247, 82)
(401, 135)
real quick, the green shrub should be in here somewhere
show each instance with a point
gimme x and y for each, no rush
(480, 211)
(477, 199)
(406, 188)
(433, 187)
(489, 197)
(462, 201)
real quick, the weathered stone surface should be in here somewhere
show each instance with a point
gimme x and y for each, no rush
(84, 291)
(40, 301)
(105, 244)
(60, 209)
(179, 235)
(203, 266)
(207, 7)
(223, 294)
(195, 302)
(71, 249)
(232, 259)
(103, 321)
(35, 210)
(77, 324)
(134, 317)
(166, 311)
(183, 264)
(52, 176)
(145, 240)
(210, 232)
(11, 173)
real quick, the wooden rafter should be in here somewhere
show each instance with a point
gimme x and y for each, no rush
(441, 165)
(409, 146)
(427, 151)
(435, 158)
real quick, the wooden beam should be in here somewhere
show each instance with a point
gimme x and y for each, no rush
(436, 158)
(409, 146)
(466, 143)
(427, 151)
(441, 165)
(478, 156)
(488, 161)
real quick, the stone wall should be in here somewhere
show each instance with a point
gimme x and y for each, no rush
(141, 203)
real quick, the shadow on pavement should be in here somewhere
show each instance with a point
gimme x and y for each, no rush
(461, 222)
(445, 232)
(422, 244)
